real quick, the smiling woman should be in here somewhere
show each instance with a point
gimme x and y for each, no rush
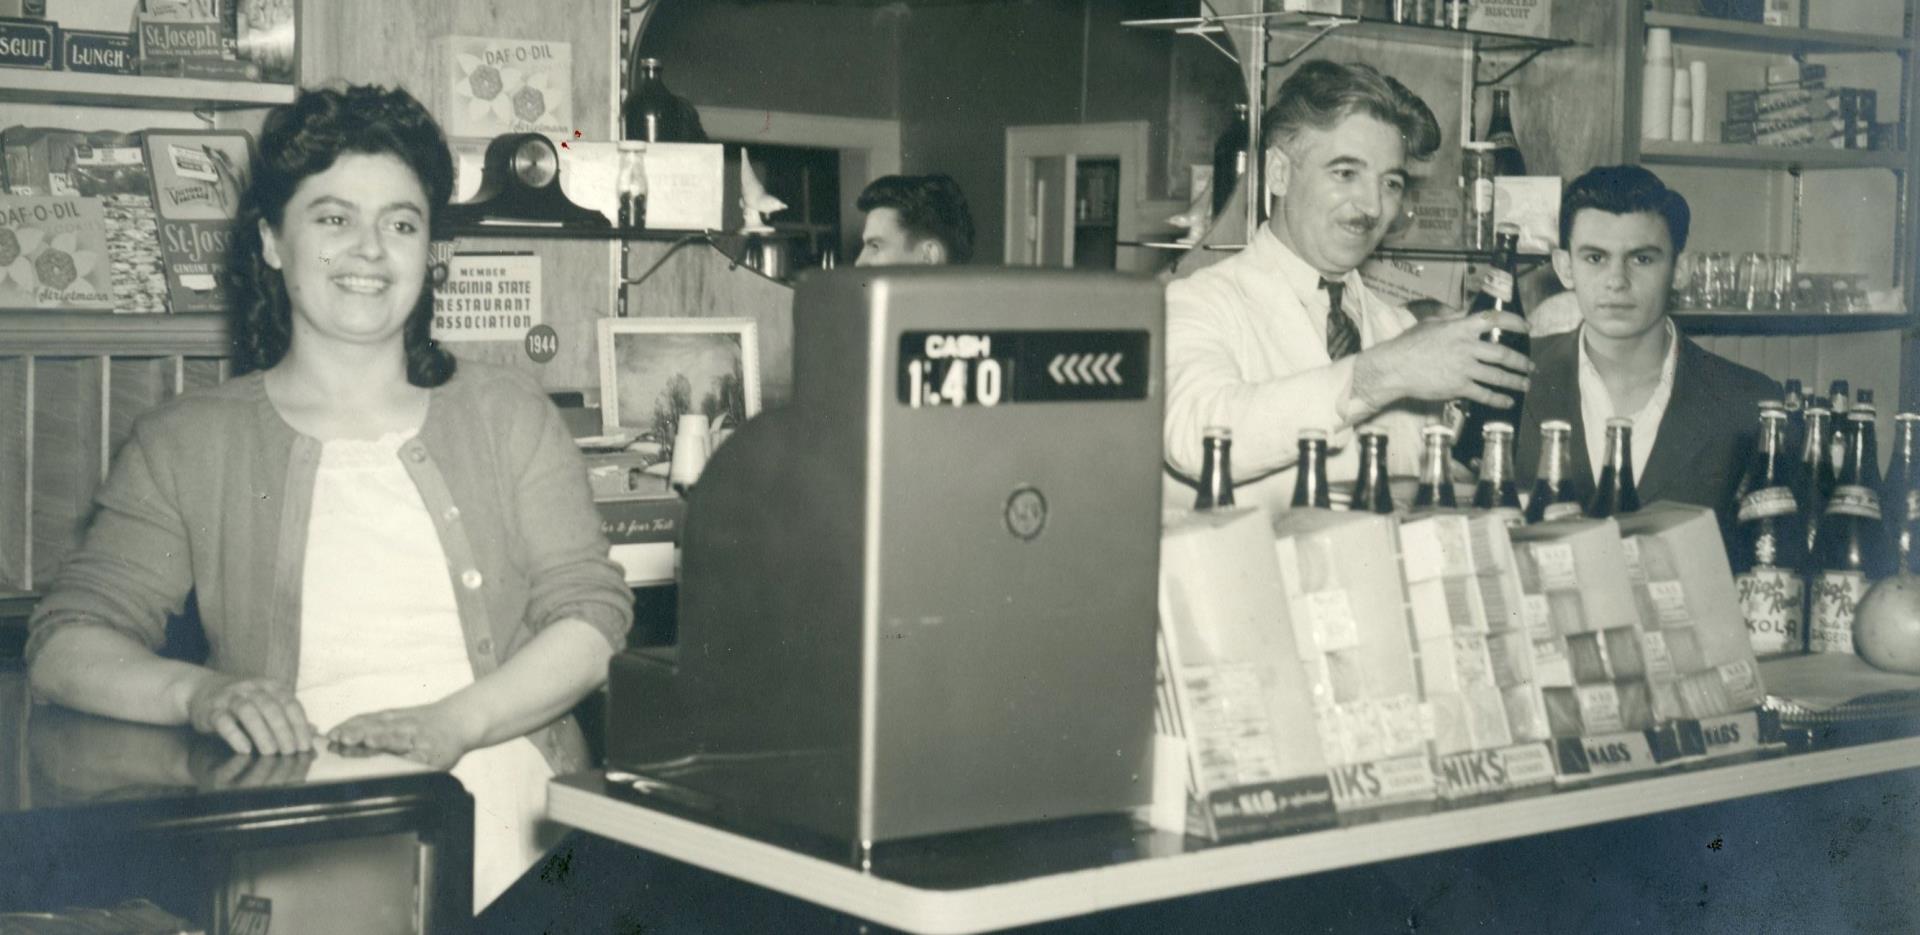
(387, 552)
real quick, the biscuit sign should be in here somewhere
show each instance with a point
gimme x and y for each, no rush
(487, 297)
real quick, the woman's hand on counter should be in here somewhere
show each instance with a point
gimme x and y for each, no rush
(253, 715)
(437, 735)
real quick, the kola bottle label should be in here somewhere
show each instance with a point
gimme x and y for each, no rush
(1770, 603)
(1773, 501)
(1855, 500)
(1835, 595)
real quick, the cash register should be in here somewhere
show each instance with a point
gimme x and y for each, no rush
(920, 598)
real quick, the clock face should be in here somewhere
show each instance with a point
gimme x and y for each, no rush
(962, 368)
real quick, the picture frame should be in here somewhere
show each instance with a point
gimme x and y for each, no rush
(717, 360)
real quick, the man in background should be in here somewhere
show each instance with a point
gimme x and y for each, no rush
(914, 220)
(1284, 336)
(1693, 411)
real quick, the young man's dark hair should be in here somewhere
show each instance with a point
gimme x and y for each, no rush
(1625, 190)
(925, 208)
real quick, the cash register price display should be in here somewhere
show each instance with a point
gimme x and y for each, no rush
(992, 368)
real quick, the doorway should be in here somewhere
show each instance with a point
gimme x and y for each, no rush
(1074, 193)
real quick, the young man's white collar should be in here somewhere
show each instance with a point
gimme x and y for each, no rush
(1596, 406)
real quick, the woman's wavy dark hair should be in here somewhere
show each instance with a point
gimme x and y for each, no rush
(305, 138)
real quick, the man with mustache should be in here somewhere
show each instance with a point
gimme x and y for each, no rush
(1284, 336)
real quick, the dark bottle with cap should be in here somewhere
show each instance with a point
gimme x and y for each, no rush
(1554, 494)
(1216, 469)
(1495, 489)
(1769, 550)
(1372, 492)
(1507, 159)
(1741, 485)
(651, 112)
(1900, 505)
(1497, 294)
(1310, 473)
(1851, 550)
(1230, 158)
(1436, 482)
(1813, 483)
(1616, 493)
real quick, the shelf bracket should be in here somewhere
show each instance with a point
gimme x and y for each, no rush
(1325, 28)
(1206, 33)
(1524, 61)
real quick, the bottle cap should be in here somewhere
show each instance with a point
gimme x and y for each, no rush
(1217, 431)
(1313, 435)
(1819, 407)
(1619, 422)
(1436, 430)
(1863, 408)
(1374, 431)
(1507, 228)
(1769, 404)
(1776, 414)
(1497, 428)
(1556, 425)
(1860, 414)
(1479, 146)
(1907, 417)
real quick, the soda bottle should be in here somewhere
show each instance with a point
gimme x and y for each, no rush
(1870, 457)
(1216, 469)
(1497, 293)
(1901, 500)
(1840, 400)
(1554, 496)
(1616, 493)
(1371, 490)
(1813, 483)
(1793, 400)
(1310, 474)
(1506, 147)
(1229, 158)
(1770, 545)
(1743, 485)
(1436, 484)
(1851, 550)
(1495, 490)
(651, 112)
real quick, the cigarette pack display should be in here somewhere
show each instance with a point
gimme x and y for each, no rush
(1238, 690)
(489, 86)
(53, 253)
(198, 177)
(1688, 580)
(1579, 567)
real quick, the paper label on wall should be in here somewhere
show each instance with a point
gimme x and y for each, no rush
(488, 297)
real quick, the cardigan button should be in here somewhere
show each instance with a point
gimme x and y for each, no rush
(417, 454)
(452, 513)
(485, 646)
(471, 578)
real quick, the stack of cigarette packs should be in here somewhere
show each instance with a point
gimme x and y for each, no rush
(1796, 108)
(1319, 666)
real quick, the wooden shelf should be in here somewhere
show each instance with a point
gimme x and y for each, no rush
(21, 86)
(1774, 40)
(1768, 323)
(100, 334)
(1738, 156)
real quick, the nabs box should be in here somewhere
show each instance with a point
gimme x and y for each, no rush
(53, 253)
(489, 86)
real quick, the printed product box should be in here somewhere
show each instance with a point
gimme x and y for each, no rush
(489, 86)
(1238, 695)
(197, 181)
(53, 253)
(116, 173)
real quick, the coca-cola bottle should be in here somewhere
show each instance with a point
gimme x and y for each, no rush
(1497, 294)
(1436, 483)
(1495, 489)
(1851, 549)
(1901, 501)
(1371, 490)
(1216, 469)
(1310, 474)
(1554, 495)
(1813, 483)
(1769, 552)
(1616, 493)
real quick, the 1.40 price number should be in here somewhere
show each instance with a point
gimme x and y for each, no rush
(955, 382)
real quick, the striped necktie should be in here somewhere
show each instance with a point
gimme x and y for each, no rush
(1343, 336)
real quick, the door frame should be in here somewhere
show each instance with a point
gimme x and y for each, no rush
(1125, 140)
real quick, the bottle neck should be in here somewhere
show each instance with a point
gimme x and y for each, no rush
(1816, 446)
(1433, 462)
(1496, 466)
(1620, 450)
(1906, 447)
(1373, 457)
(1556, 462)
(1856, 453)
(1772, 440)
